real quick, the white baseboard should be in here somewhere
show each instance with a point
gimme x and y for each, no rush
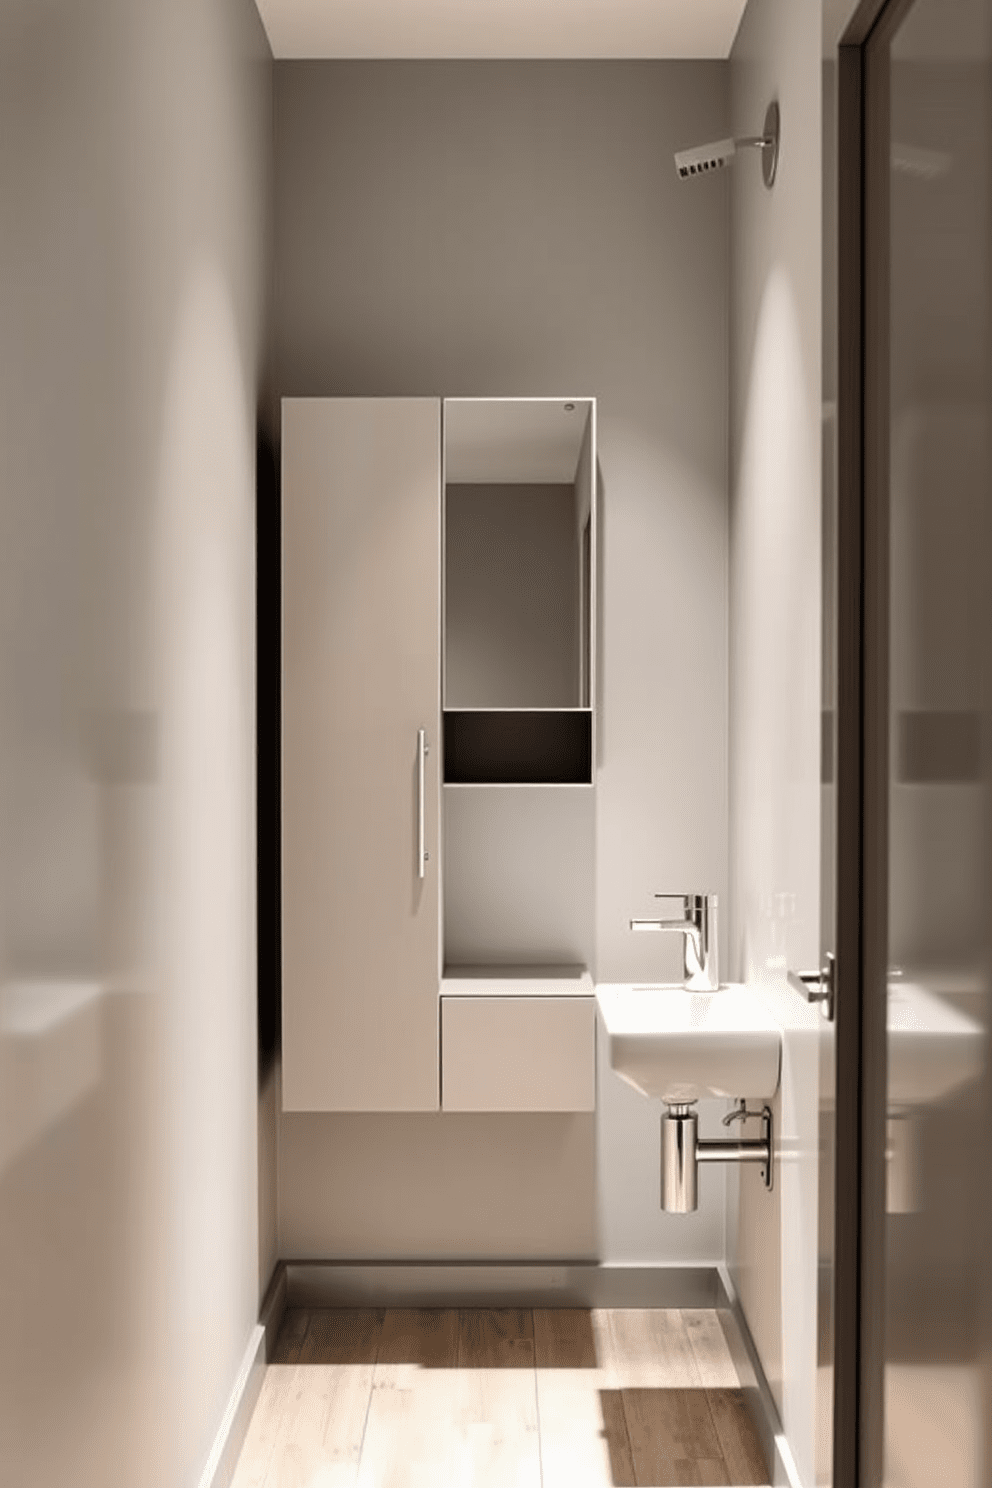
(226, 1450)
(273, 1306)
(760, 1402)
(499, 1284)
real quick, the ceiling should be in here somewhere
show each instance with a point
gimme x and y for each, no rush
(501, 28)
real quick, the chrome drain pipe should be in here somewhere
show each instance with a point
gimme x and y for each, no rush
(682, 1152)
(679, 1148)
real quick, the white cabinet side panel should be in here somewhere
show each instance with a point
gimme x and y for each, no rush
(361, 626)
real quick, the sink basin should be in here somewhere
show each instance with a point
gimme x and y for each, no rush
(680, 1046)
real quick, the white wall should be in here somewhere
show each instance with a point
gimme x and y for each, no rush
(134, 136)
(513, 229)
(775, 639)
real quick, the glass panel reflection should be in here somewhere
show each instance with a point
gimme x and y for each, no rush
(939, 828)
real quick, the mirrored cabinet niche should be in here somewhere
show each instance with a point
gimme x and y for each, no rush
(519, 591)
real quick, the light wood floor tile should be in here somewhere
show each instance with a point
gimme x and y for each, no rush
(739, 1442)
(342, 1335)
(500, 1398)
(295, 1322)
(323, 1401)
(408, 1437)
(314, 1419)
(651, 1349)
(322, 1440)
(274, 1402)
(496, 1338)
(672, 1438)
(617, 1437)
(583, 1430)
(569, 1338)
(420, 1337)
(495, 1400)
(266, 1427)
(432, 1424)
(494, 1429)
(412, 1437)
(709, 1349)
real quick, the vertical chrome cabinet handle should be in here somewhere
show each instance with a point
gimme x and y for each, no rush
(421, 842)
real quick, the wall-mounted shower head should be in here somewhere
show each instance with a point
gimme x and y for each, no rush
(704, 158)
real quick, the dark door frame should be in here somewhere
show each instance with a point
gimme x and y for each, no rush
(862, 739)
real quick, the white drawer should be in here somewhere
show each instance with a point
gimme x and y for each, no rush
(518, 1053)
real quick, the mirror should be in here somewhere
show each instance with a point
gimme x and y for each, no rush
(518, 554)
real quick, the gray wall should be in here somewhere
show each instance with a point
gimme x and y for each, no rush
(134, 137)
(514, 229)
(775, 653)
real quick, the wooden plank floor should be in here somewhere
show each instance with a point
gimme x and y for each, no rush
(500, 1398)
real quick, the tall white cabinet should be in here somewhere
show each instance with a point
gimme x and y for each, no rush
(361, 489)
(438, 661)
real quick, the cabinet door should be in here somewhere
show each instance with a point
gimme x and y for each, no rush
(361, 489)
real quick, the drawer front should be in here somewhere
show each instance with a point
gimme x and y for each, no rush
(518, 1053)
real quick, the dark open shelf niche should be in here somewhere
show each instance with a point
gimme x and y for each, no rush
(525, 747)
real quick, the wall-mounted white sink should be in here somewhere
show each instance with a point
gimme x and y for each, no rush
(680, 1046)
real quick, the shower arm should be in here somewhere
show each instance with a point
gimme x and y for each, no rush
(702, 159)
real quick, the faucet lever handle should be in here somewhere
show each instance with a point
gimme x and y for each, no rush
(690, 903)
(693, 899)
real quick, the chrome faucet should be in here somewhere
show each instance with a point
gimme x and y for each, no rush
(699, 930)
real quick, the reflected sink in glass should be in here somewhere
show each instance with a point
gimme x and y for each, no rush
(933, 1047)
(681, 1046)
(51, 1056)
